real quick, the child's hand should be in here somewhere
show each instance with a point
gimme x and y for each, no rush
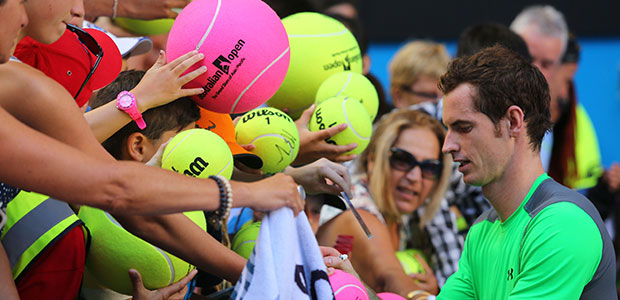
(163, 82)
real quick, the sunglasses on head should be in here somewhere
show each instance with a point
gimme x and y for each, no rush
(404, 161)
(91, 44)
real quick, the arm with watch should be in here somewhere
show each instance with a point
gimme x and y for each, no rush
(48, 148)
(161, 84)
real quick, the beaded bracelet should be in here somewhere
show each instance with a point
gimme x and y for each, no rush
(225, 196)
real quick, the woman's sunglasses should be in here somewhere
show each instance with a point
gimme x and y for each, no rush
(404, 161)
(92, 46)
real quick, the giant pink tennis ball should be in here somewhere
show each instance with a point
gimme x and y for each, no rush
(347, 286)
(246, 52)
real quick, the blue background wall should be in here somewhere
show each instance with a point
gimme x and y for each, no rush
(597, 83)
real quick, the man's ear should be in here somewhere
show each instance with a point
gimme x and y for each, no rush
(138, 146)
(515, 117)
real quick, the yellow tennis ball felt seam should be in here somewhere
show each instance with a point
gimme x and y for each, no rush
(349, 123)
(350, 84)
(345, 85)
(343, 110)
(318, 34)
(320, 46)
(175, 146)
(114, 250)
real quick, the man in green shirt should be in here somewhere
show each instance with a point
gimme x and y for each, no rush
(540, 240)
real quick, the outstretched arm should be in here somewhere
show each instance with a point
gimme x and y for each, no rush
(161, 84)
(7, 285)
(33, 161)
(179, 235)
(137, 9)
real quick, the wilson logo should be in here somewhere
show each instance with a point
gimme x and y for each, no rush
(195, 168)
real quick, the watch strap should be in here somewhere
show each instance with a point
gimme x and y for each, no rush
(132, 110)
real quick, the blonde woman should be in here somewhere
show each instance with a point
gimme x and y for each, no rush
(414, 73)
(401, 169)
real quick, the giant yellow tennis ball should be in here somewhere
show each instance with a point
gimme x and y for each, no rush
(410, 262)
(338, 110)
(273, 133)
(350, 84)
(245, 238)
(320, 46)
(113, 251)
(145, 27)
(198, 153)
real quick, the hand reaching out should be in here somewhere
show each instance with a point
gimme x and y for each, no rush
(274, 192)
(332, 260)
(312, 145)
(141, 293)
(163, 82)
(426, 281)
(312, 177)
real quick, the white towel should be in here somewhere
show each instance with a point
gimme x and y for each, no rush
(286, 262)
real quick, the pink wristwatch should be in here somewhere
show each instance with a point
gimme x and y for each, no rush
(126, 102)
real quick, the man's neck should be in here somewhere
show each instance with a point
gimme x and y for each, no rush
(507, 192)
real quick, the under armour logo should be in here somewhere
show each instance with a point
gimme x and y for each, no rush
(510, 274)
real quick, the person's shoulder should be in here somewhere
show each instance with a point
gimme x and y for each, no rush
(550, 193)
(488, 216)
(18, 76)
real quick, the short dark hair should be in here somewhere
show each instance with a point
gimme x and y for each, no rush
(503, 78)
(175, 115)
(477, 37)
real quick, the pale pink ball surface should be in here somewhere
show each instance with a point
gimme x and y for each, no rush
(390, 296)
(246, 52)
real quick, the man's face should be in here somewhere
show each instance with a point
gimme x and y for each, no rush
(546, 51)
(473, 140)
(13, 16)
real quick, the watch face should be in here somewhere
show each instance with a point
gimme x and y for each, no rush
(125, 101)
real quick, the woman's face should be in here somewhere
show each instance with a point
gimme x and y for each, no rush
(410, 188)
(423, 90)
